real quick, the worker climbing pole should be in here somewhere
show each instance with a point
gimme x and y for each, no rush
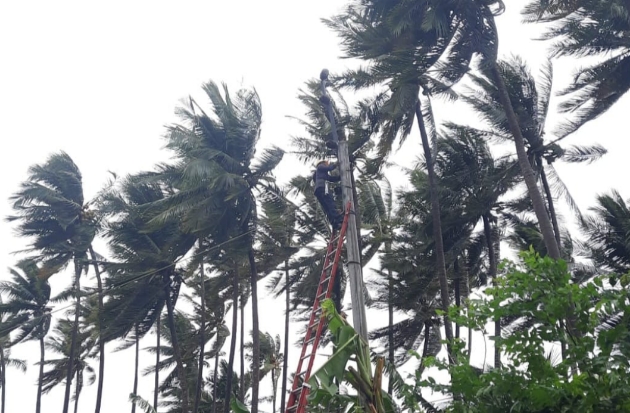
(354, 254)
(300, 388)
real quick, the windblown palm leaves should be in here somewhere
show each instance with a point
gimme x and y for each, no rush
(607, 233)
(530, 99)
(588, 28)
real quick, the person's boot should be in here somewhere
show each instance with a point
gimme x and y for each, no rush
(331, 144)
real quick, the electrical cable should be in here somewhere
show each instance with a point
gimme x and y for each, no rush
(136, 278)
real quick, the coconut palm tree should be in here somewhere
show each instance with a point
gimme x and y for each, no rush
(51, 211)
(217, 176)
(28, 309)
(431, 44)
(588, 28)
(605, 229)
(144, 278)
(271, 361)
(7, 324)
(60, 343)
(530, 97)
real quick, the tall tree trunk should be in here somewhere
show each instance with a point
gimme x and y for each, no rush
(458, 293)
(135, 371)
(77, 393)
(241, 390)
(287, 309)
(73, 340)
(390, 317)
(101, 343)
(157, 364)
(487, 231)
(3, 381)
(526, 168)
(42, 351)
(437, 231)
(256, 331)
(214, 381)
(552, 209)
(202, 335)
(181, 373)
(230, 376)
(273, 397)
(469, 329)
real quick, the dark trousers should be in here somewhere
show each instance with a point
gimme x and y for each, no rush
(328, 205)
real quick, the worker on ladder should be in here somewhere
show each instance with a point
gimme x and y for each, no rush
(321, 179)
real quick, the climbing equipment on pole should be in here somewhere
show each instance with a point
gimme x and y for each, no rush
(299, 391)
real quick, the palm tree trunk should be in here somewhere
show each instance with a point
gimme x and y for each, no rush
(73, 342)
(256, 331)
(228, 386)
(181, 373)
(202, 335)
(241, 390)
(273, 397)
(157, 364)
(287, 309)
(101, 343)
(458, 294)
(42, 350)
(437, 231)
(3, 382)
(526, 168)
(390, 317)
(487, 230)
(214, 381)
(135, 372)
(77, 393)
(552, 209)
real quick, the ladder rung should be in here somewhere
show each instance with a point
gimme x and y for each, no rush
(324, 280)
(294, 407)
(307, 356)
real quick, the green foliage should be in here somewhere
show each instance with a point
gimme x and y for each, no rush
(539, 292)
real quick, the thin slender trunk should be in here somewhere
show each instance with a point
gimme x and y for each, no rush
(552, 209)
(135, 371)
(273, 397)
(241, 390)
(202, 335)
(181, 373)
(427, 336)
(487, 230)
(3, 382)
(390, 317)
(42, 351)
(526, 168)
(77, 393)
(101, 343)
(73, 340)
(287, 309)
(467, 277)
(228, 386)
(437, 231)
(214, 382)
(256, 331)
(458, 294)
(157, 365)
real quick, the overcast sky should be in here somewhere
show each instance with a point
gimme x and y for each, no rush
(101, 81)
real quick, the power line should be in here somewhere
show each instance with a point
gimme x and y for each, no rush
(136, 278)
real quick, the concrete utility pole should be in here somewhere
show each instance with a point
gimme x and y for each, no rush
(352, 241)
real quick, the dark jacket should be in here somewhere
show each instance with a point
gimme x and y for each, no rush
(320, 176)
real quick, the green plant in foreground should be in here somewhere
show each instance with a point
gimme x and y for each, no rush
(539, 294)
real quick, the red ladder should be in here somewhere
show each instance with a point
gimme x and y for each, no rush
(299, 391)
